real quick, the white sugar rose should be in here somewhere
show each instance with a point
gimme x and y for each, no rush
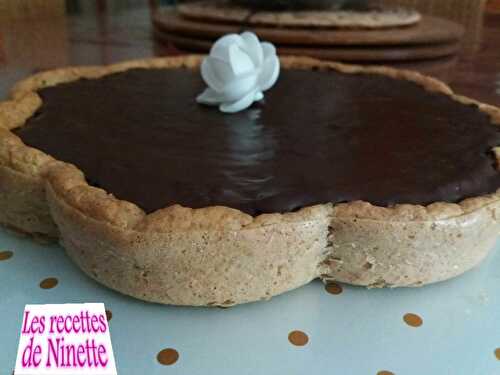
(237, 72)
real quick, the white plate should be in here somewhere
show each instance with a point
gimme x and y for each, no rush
(356, 332)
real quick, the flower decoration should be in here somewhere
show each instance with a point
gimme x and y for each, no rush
(237, 72)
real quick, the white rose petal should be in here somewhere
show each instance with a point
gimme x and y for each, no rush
(238, 105)
(270, 73)
(222, 70)
(238, 88)
(252, 47)
(268, 49)
(209, 97)
(237, 72)
(210, 76)
(220, 49)
(239, 60)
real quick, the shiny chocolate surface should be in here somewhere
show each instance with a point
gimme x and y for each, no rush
(318, 137)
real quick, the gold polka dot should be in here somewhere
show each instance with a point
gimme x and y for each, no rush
(413, 320)
(298, 338)
(497, 353)
(167, 356)
(4, 255)
(48, 283)
(109, 315)
(333, 288)
(385, 372)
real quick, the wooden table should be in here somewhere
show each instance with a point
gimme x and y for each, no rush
(100, 34)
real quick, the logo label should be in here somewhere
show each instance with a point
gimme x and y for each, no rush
(65, 339)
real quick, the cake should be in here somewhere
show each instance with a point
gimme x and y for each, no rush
(368, 176)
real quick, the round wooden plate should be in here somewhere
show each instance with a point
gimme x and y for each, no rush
(226, 12)
(430, 30)
(340, 53)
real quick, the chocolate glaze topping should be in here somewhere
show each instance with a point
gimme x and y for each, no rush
(319, 136)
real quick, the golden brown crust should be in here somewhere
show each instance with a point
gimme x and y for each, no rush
(115, 242)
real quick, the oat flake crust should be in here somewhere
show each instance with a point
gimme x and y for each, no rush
(221, 256)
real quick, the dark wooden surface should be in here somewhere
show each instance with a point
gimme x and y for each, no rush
(100, 34)
(343, 53)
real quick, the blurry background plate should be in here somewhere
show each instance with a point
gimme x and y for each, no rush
(386, 54)
(431, 30)
(302, 13)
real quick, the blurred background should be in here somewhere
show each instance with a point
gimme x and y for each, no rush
(37, 35)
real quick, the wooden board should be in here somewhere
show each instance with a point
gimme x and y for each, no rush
(430, 30)
(340, 53)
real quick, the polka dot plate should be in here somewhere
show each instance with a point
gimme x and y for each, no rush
(450, 328)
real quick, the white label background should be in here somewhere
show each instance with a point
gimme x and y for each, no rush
(69, 338)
